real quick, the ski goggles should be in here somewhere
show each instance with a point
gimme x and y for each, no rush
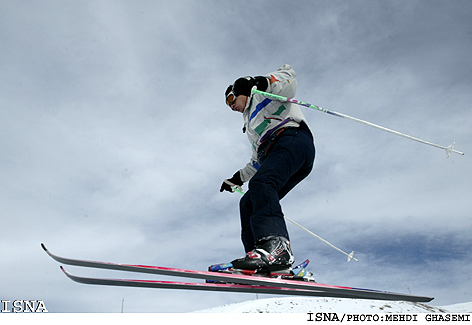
(231, 98)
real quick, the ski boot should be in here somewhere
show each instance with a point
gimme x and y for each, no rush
(272, 257)
(271, 254)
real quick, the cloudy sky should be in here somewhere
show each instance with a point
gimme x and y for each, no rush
(114, 140)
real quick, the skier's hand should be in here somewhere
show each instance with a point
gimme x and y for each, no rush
(228, 184)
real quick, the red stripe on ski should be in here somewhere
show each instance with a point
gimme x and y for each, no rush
(328, 290)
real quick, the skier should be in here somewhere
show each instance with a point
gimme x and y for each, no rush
(283, 155)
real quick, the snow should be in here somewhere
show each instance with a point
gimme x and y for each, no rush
(338, 305)
(460, 308)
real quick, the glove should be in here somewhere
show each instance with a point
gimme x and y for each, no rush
(235, 180)
(262, 83)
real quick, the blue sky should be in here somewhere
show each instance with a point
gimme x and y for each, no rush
(115, 140)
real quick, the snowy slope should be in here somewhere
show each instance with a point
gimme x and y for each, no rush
(460, 308)
(313, 305)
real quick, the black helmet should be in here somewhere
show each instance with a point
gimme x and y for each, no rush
(243, 86)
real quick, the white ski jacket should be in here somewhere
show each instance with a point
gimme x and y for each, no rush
(262, 115)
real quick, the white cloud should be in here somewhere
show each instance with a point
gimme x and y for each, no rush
(114, 139)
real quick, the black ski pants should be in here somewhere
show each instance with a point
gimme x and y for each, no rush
(284, 163)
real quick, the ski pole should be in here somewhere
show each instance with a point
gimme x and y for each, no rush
(448, 149)
(349, 256)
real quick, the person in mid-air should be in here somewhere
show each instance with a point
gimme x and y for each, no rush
(283, 155)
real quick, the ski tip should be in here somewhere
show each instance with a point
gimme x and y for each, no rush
(65, 272)
(44, 247)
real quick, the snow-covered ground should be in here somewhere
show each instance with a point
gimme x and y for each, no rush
(314, 305)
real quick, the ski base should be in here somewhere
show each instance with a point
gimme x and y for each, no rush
(231, 282)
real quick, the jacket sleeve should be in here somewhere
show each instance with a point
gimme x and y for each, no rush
(250, 169)
(283, 82)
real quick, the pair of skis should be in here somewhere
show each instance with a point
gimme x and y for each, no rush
(225, 282)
